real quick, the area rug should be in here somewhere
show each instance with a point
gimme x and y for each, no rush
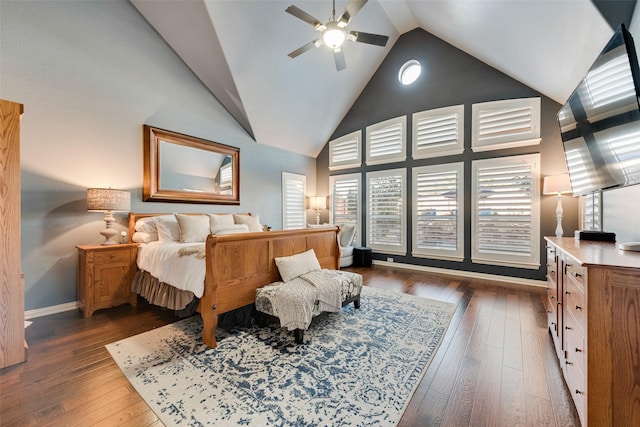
(355, 367)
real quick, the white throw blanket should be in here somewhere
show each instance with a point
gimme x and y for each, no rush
(297, 301)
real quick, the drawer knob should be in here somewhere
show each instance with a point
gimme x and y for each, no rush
(568, 363)
(578, 307)
(568, 328)
(579, 392)
(567, 292)
(577, 275)
(553, 297)
(578, 350)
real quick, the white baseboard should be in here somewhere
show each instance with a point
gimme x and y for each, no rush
(54, 309)
(472, 274)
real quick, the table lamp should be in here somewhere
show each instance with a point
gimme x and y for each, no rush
(108, 200)
(558, 185)
(317, 203)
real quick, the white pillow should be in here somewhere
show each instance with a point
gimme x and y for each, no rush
(293, 266)
(146, 225)
(236, 229)
(193, 228)
(220, 220)
(253, 221)
(143, 237)
(347, 233)
(230, 229)
(168, 230)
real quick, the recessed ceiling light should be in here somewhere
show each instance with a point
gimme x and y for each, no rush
(409, 72)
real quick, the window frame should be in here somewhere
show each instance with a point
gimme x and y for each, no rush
(354, 137)
(286, 178)
(401, 247)
(444, 254)
(387, 158)
(358, 216)
(508, 258)
(508, 140)
(439, 113)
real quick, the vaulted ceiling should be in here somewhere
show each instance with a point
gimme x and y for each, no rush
(238, 49)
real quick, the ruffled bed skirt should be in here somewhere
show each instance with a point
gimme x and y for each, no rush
(164, 295)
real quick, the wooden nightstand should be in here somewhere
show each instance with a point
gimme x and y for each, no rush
(105, 274)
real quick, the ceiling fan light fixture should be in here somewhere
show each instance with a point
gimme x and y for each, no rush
(333, 36)
(409, 72)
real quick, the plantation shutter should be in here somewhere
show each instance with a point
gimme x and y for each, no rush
(293, 201)
(608, 84)
(438, 132)
(345, 201)
(505, 124)
(386, 141)
(386, 210)
(438, 211)
(226, 179)
(506, 211)
(590, 211)
(345, 152)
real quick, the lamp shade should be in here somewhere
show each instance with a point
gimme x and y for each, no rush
(108, 199)
(556, 184)
(317, 202)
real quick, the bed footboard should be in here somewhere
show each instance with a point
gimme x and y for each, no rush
(238, 264)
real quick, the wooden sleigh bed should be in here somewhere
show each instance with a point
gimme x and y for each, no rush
(237, 264)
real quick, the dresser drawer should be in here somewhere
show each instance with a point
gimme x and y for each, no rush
(112, 255)
(576, 303)
(576, 272)
(551, 256)
(576, 382)
(574, 344)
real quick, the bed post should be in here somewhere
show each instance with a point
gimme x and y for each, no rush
(209, 301)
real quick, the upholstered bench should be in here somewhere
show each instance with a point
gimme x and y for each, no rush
(297, 301)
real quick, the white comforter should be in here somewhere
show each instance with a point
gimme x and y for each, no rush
(162, 261)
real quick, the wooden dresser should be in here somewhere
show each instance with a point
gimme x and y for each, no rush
(593, 310)
(12, 344)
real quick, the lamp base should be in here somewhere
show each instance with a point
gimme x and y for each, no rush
(559, 213)
(109, 232)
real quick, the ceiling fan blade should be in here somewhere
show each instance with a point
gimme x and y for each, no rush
(301, 14)
(350, 11)
(303, 49)
(375, 39)
(338, 56)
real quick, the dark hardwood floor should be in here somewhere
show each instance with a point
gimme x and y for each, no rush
(496, 365)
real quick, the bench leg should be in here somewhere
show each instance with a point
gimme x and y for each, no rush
(356, 303)
(298, 334)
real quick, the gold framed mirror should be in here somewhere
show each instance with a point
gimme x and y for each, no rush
(181, 168)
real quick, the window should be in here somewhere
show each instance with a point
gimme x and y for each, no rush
(344, 152)
(590, 212)
(294, 188)
(386, 211)
(505, 124)
(438, 211)
(345, 201)
(438, 132)
(386, 141)
(506, 211)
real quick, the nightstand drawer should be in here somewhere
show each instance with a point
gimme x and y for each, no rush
(112, 255)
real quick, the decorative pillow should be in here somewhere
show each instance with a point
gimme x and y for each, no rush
(144, 237)
(220, 220)
(253, 221)
(293, 266)
(193, 228)
(168, 230)
(346, 235)
(236, 229)
(230, 229)
(146, 225)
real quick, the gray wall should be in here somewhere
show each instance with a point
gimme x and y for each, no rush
(452, 77)
(90, 74)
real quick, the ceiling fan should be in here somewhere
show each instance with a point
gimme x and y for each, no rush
(334, 32)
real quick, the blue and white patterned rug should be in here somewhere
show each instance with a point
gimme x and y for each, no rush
(355, 367)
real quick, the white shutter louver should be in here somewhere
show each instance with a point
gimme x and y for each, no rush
(438, 132)
(590, 211)
(386, 210)
(506, 211)
(505, 124)
(386, 141)
(438, 211)
(345, 152)
(293, 201)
